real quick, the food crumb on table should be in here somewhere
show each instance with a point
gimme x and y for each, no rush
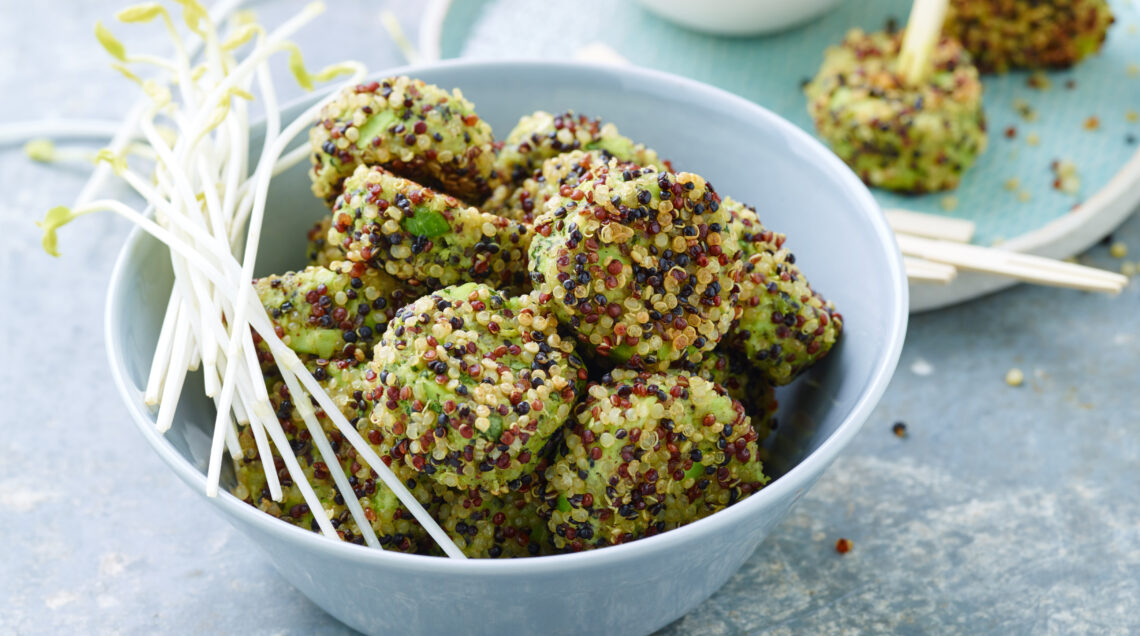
(1118, 250)
(1024, 196)
(921, 368)
(1014, 377)
(1128, 269)
(843, 546)
(1025, 110)
(949, 202)
(899, 429)
(1032, 139)
(1134, 70)
(1132, 116)
(1012, 184)
(1039, 80)
(1066, 178)
(1092, 123)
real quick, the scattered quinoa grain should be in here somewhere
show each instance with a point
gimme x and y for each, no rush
(1012, 184)
(1032, 139)
(1014, 377)
(899, 429)
(1128, 269)
(1092, 123)
(1025, 110)
(1066, 178)
(1039, 80)
(1118, 250)
(949, 202)
(1132, 116)
(843, 546)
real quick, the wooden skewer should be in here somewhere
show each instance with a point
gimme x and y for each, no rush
(1024, 267)
(930, 225)
(923, 28)
(920, 270)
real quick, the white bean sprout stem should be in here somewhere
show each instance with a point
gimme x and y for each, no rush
(206, 205)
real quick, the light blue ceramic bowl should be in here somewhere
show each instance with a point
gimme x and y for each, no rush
(799, 187)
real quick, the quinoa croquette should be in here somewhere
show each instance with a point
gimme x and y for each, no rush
(911, 139)
(640, 264)
(646, 453)
(474, 385)
(416, 130)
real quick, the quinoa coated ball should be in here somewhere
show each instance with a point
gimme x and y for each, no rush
(742, 384)
(421, 236)
(416, 130)
(1005, 34)
(334, 311)
(540, 136)
(473, 384)
(643, 279)
(647, 453)
(487, 526)
(784, 326)
(394, 525)
(912, 139)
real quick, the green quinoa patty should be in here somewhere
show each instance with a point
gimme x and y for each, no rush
(481, 524)
(424, 237)
(911, 139)
(639, 264)
(335, 311)
(540, 136)
(475, 384)
(1004, 34)
(416, 130)
(648, 453)
(494, 526)
(395, 527)
(784, 326)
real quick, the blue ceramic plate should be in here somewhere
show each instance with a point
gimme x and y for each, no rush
(841, 241)
(770, 70)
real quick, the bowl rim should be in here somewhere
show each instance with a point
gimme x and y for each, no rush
(791, 484)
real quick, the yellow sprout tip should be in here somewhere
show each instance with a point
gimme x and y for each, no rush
(144, 12)
(110, 43)
(55, 218)
(118, 163)
(297, 65)
(41, 149)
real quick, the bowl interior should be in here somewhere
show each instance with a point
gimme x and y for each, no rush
(797, 186)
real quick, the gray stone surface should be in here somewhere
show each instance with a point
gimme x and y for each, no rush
(1005, 510)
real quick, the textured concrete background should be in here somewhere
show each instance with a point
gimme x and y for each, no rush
(1005, 510)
